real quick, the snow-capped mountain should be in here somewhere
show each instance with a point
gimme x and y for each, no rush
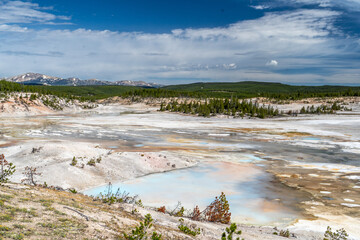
(41, 79)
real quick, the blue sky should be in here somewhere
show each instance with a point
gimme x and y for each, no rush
(157, 16)
(291, 41)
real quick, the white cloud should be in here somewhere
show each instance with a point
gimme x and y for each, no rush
(272, 63)
(350, 5)
(297, 39)
(25, 12)
(12, 28)
(260, 7)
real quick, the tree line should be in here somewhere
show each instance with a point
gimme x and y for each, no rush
(92, 93)
(302, 95)
(242, 108)
(8, 87)
(211, 107)
(298, 95)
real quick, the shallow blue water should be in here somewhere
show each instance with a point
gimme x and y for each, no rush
(249, 199)
(311, 138)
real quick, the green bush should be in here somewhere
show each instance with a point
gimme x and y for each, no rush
(339, 234)
(284, 233)
(229, 232)
(140, 232)
(72, 190)
(218, 210)
(119, 196)
(73, 162)
(180, 213)
(33, 97)
(185, 229)
(91, 162)
(6, 169)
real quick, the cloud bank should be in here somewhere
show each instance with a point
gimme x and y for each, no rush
(309, 46)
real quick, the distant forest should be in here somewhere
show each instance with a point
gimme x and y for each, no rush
(240, 90)
(241, 108)
(82, 93)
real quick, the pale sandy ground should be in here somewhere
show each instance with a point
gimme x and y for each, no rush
(19, 104)
(54, 157)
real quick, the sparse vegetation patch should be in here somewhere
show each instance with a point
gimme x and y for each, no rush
(6, 169)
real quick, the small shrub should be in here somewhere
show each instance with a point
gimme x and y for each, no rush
(36, 150)
(118, 197)
(162, 209)
(33, 97)
(218, 210)
(72, 190)
(91, 162)
(155, 236)
(284, 233)
(134, 211)
(180, 213)
(139, 203)
(6, 169)
(229, 232)
(98, 160)
(73, 162)
(140, 232)
(339, 234)
(185, 229)
(196, 214)
(30, 173)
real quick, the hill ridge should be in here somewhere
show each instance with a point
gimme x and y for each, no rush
(43, 79)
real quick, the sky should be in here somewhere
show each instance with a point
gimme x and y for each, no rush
(302, 42)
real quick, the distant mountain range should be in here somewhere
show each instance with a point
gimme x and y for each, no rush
(41, 79)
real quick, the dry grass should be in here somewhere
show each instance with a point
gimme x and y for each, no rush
(40, 213)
